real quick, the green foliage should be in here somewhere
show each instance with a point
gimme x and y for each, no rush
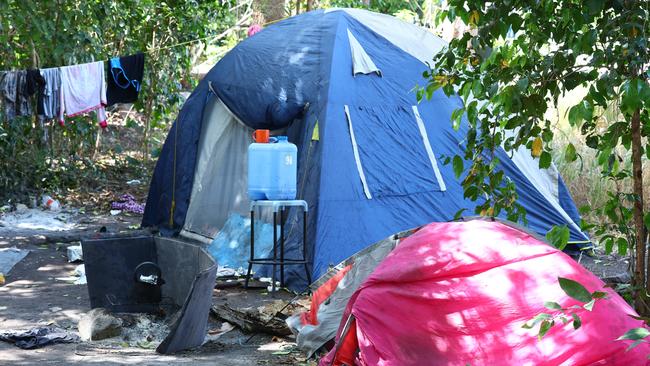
(518, 59)
(423, 12)
(536, 320)
(552, 305)
(380, 6)
(64, 32)
(616, 231)
(635, 334)
(458, 165)
(638, 335)
(559, 236)
(570, 153)
(574, 289)
(577, 322)
(544, 328)
(565, 314)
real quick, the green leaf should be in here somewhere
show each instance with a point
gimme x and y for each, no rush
(622, 245)
(576, 321)
(419, 94)
(457, 113)
(570, 153)
(551, 305)
(472, 112)
(574, 289)
(595, 6)
(631, 98)
(544, 328)
(634, 334)
(590, 305)
(534, 321)
(582, 111)
(609, 245)
(574, 115)
(603, 156)
(458, 165)
(522, 84)
(545, 160)
(599, 295)
(558, 236)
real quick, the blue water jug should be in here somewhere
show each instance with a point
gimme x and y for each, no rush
(272, 170)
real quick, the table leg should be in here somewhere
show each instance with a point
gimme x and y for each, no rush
(304, 245)
(282, 217)
(275, 249)
(252, 258)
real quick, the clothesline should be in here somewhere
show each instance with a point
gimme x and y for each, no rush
(150, 51)
(153, 50)
(71, 91)
(56, 98)
(218, 36)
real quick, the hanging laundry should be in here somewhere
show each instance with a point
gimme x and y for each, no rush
(125, 79)
(23, 105)
(13, 90)
(49, 100)
(6, 101)
(35, 83)
(83, 90)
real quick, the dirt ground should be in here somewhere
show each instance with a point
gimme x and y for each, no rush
(33, 296)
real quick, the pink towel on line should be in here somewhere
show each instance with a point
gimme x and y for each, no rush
(83, 89)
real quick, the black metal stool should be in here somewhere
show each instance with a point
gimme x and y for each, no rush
(278, 206)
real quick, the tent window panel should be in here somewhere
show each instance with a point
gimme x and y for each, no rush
(391, 149)
(220, 186)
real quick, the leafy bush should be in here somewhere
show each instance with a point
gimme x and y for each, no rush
(56, 33)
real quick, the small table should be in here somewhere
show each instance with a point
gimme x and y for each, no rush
(278, 206)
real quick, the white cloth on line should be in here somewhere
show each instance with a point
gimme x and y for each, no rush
(83, 89)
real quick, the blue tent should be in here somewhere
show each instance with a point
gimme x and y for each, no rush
(340, 84)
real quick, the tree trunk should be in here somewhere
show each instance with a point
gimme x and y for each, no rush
(310, 5)
(149, 104)
(641, 271)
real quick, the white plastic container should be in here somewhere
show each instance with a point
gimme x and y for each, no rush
(272, 170)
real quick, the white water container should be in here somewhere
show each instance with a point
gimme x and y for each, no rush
(272, 170)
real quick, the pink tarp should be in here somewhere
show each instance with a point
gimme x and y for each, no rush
(458, 293)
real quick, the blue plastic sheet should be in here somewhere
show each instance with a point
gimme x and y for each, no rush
(9, 257)
(231, 246)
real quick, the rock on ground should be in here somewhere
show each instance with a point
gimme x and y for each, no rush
(99, 324)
